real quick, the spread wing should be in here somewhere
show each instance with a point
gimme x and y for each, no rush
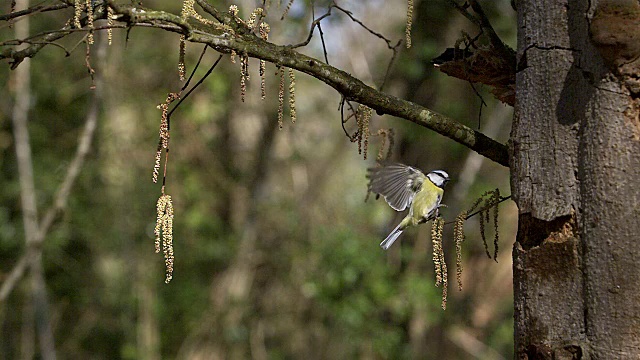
(397, 183)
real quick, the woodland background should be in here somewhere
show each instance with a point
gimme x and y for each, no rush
(276, 251)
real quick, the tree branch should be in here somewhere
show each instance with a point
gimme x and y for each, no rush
(31, 10)
(233, 35)
(84, 145)
(244, 42)
(14, 276)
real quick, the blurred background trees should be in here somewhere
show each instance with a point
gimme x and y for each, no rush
(276, 251)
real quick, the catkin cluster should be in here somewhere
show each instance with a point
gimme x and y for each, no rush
(164, 228)
(438, 258)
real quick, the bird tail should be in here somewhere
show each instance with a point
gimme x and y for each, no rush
(386, 243)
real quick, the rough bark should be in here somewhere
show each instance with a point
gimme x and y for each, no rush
(574, 159)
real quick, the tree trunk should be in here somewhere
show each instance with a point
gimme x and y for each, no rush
(575, 160)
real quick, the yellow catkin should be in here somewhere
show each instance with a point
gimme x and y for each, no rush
(187, 9)
(254, 18)
(160, 206)
(263, 80)
(458, 235)
(409, 22)
(77, 7)
(89, 22)
(264, 34)
(110, 16)
(244, 63)
(164, 135)
(167, 241)
(246, 67)
(443, 265)
(181, 64)
(164, 122)
(436, 243)
(164, 226)
(280, 73)
(367, 118)
(233, 10)
(156, 164)
(363, 116)
(292, 96)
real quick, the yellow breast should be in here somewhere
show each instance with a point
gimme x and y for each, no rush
(426, 200)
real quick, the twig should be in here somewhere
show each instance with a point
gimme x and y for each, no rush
(12, 279)
(356, 20)
(482, 103)
(502, 199)
(393, 48)
(32, 10)
(45, 38)
(186, 84)
(391, 61)
(314, 24)
(194, 87)
(324, 46)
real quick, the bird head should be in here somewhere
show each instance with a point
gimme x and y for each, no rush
(438, 177)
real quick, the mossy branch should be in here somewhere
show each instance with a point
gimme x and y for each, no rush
(232, 36)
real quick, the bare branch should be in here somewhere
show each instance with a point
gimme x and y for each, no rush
(314, 24)
(372, 32)
(14, 276)
(32, 10)
(45, 38)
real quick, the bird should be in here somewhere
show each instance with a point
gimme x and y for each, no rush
(402, 187)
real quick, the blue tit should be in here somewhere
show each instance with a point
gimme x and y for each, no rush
(404, 187)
